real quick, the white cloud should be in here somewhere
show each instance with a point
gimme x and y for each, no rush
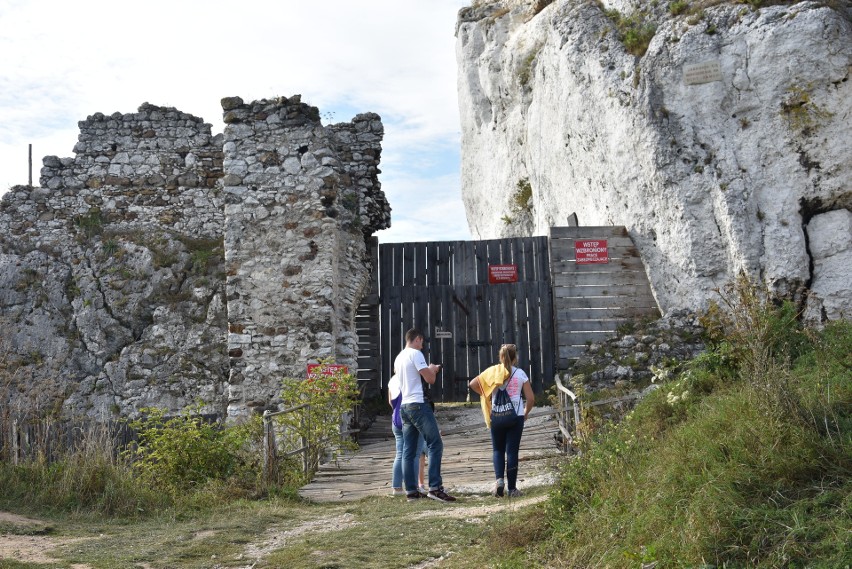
(392, 57)
(434, 208)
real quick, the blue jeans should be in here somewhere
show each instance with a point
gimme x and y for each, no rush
(396, 481)
(505, 444)
(418, 419)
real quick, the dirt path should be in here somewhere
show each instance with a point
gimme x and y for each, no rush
(28, 540)
(276, 538)
(25, 547)
(36, 548)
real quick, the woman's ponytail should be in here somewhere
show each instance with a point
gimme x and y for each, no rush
(508, 356)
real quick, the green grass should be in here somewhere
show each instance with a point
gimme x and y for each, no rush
(635, 30)
(375, 533)
(736, 473)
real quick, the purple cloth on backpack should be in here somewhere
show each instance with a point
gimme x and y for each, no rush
(396, 417)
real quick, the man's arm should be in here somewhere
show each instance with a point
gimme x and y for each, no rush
(430, 373)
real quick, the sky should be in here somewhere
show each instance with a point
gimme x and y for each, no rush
(61, 61)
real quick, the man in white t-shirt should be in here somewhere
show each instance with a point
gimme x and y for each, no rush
(418, 418)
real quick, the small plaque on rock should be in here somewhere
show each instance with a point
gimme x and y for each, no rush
(704, 72)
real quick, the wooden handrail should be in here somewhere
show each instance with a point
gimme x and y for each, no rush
(270, 446)
(562, 417)
(269, 413)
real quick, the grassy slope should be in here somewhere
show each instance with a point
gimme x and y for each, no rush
(737, 473)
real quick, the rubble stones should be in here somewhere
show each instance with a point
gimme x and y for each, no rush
(675, 337)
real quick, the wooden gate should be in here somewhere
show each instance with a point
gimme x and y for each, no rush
(593, 299)
(443, 289)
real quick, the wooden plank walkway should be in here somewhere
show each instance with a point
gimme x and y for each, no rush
(466, 466)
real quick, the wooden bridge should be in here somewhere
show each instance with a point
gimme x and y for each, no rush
(466, 466)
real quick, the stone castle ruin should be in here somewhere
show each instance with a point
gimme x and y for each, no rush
(165, 266)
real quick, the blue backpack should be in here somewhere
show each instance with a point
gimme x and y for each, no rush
(503, 412)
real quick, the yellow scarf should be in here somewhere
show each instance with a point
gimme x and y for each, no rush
(489, 380)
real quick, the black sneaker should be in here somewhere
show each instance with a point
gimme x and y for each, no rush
(440, 495)
(414, 496)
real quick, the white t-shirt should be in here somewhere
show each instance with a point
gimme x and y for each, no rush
(393, 387)
(515, 387)
(407, 366)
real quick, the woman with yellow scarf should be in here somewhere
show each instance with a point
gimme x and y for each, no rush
(505, 439)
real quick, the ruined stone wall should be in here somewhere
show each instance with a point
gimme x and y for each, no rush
(116, 270)
(156, 168)
(300, 198)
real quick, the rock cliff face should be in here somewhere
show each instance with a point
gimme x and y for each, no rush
(722, 147)
(164, 266)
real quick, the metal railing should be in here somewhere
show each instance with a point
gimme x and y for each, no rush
(567, 401)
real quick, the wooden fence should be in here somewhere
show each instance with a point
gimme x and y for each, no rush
(50, 441)
(45, 439)
(592, 300)
(443, 288)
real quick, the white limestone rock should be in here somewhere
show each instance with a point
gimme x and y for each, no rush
(710, 179)
(830, 238)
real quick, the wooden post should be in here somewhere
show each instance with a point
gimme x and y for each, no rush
(31, 166)
(14, 442)
(304, 440)
(270, 456)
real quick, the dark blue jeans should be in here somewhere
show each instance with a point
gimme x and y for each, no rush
(505, 444)
(418, 419)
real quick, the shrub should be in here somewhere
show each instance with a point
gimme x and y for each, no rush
(91, 223)
(328, 396)
(634, 31)
(678, 7)
(184, 452)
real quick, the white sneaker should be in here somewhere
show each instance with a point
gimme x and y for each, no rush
(397, 492)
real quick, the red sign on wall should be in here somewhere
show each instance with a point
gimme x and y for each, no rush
(316, 370)
(590, 251)
(502, 274)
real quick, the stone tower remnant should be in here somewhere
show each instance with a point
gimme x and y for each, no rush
(299, 197)
(164, 265)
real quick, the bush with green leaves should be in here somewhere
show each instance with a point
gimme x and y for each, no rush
(740, 459)
(187, 451)
(328, 395)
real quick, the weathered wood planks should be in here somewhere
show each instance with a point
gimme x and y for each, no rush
(466, 466)
(443, 288)
(591, 301)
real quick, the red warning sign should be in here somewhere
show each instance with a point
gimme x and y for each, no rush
(328, 370)
(590, 251)
(502, 274)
